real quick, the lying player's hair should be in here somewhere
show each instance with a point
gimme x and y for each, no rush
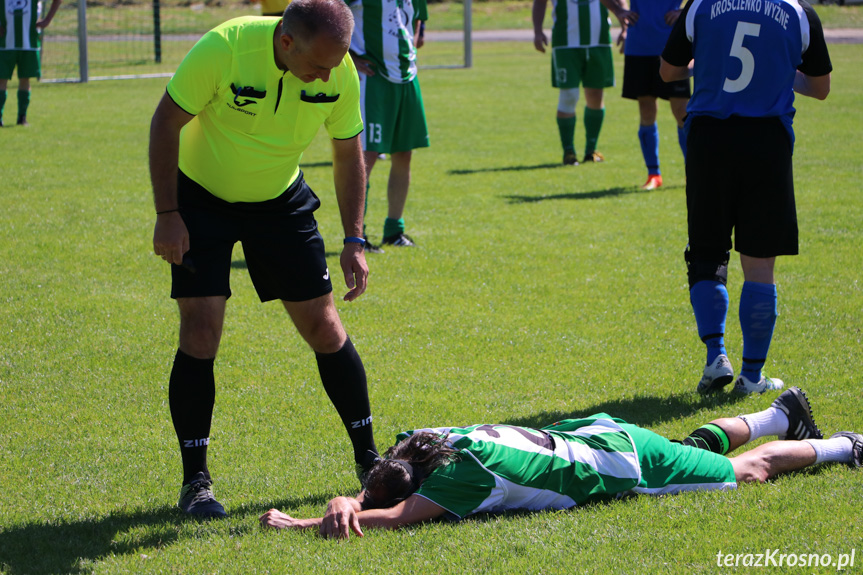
(404, 467)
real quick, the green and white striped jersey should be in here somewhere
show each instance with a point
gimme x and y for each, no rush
(384, 34)
(505, 467)
(19, 19)
(579, 24)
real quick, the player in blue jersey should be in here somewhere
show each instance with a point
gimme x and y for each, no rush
(453, 472)
(649, 24)
(748, 57)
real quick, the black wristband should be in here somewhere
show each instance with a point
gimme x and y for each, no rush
(167, 211)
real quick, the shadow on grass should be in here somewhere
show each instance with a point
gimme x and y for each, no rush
(72, 546)
(640, 410)
(507, 169)
(616, 191)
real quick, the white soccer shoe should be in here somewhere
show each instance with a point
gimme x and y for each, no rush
(744, 387)
(716, 375)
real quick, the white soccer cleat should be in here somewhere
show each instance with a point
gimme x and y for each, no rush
(716, 375)
(745, 387)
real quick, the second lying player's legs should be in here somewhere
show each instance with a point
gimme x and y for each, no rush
(789, 418)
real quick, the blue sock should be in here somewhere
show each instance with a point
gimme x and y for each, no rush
(681, 139)
(757, 319)
(649, 138)
(710, 303)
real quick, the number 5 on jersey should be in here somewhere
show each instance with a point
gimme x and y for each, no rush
(739, 51)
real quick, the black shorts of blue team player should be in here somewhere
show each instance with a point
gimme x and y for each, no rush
(283, 249)
(641, 78)
(739, 177)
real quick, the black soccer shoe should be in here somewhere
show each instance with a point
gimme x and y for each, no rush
(570, 159)
(801, 425)
(856, 446)
(399, 239)
(371, 248)
(594, 157)
(196, 498)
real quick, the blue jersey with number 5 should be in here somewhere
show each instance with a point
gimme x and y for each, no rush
(746, 55)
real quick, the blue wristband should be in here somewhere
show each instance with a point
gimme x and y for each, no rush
(355, 240)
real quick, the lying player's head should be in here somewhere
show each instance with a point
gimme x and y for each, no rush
(404, 467)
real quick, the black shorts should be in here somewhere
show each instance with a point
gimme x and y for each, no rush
(641, 78)
(284, 250)
(739, 176)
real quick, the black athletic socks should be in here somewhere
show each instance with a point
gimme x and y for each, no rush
(192, 395)
(710, 437)
(344, 379)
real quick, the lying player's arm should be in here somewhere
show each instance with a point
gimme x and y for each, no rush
(344, 515)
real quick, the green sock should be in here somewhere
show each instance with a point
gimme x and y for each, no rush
(592, 125)
(23, 102)
(2, 103)
(566, 127)
(393, 227)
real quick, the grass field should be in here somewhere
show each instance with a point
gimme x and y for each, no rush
(538, 292)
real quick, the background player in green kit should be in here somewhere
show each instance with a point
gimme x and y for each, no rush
(20, 39)
(384, 51)
(580, 55)
(458, 471)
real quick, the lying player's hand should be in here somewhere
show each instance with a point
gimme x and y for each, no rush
(278, 520)
(340, 519)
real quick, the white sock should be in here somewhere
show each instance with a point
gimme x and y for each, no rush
(771, 421)
(837, 449)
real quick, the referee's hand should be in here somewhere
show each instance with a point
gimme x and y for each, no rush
(170, 237)
(356, 270)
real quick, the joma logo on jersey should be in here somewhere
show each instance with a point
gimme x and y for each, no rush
(361, 422)
(196, 442)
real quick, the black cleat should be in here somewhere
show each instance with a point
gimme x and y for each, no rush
(22, 120)
(594, 157)
(399, 239)
(372, 248)
(196, 498)
(570, 159)
(801, 425)
(856, 446)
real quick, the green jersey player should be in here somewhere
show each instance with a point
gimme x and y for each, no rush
(580, 56)
(20, 40)
(384, 48)
(458, 471)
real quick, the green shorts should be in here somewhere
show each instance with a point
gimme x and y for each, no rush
(588, 67)
(393, 115)
(669, 467)
(27, 61)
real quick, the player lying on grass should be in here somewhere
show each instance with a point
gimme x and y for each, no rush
(458, 471)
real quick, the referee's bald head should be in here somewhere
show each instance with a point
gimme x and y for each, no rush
(304, 20)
